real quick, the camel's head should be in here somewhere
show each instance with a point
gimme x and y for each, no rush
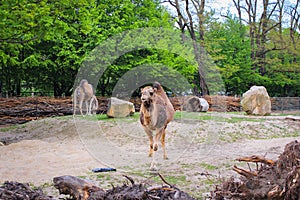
(148, 94)
(83, 82)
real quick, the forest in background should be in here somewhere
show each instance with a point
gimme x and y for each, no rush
(44, 43)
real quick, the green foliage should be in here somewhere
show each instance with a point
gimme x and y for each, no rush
(44, 43)
(283, 69)
(229, 47)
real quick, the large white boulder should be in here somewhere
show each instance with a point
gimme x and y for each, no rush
(195, 104)
(120, 108)
(256, 101)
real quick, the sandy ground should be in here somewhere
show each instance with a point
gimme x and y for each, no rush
(37, 151)
(42, 150)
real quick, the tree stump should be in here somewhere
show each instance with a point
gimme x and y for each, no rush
(77, 188)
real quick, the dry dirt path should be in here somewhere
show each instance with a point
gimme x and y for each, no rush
(40, 150)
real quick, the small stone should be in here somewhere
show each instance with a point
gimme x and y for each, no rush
(120, 108)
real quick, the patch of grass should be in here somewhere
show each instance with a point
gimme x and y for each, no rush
(212, 181)
(285, 134)
(240, 119)
(13, 127)
(104, 176)
(283, 113)
(208, 166)
(42, 186)
(192, 115)
(173, 180)
(104, 117)
(65, 117)
(139, 173)
(212, 116)
(46, 185)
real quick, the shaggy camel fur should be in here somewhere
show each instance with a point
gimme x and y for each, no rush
(155, 113)
(84, 92)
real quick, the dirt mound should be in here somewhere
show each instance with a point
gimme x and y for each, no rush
(271, 180)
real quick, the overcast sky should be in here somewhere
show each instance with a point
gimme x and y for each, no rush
(222, 6)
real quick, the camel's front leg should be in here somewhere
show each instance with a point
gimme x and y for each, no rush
(158, 137)
(149, 133)
(80, 106)
(153, 163)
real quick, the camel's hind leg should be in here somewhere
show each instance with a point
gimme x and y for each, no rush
(74, 105)
(163, 137)
(91, 106)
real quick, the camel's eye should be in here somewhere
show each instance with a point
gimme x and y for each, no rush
(151, 93)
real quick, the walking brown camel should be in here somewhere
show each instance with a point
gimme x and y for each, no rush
(84, 92)
(155, 114)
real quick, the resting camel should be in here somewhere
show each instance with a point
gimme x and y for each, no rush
(155, 113)
(84, 92)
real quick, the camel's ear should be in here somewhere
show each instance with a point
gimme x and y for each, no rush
(156, 85)
(155, 89)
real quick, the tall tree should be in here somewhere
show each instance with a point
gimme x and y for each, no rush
(191, 18)
(271, 48)
(43, 43)
(230, 49)
(22, 24)
(260, 21)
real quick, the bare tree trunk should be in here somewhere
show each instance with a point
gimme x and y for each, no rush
(260, 28)
(294, 25)
(251, 10)
(237, 4)
(187, 23)
(261, 39)
(281, 6)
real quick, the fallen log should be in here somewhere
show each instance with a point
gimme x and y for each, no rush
(77, 188)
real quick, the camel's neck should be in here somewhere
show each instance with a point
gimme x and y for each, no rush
(147, 105)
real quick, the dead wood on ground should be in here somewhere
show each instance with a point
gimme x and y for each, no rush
(77, 188)
(257, 159)
(19, 110)
(278, 180)
(83, 190)
(14, 191)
